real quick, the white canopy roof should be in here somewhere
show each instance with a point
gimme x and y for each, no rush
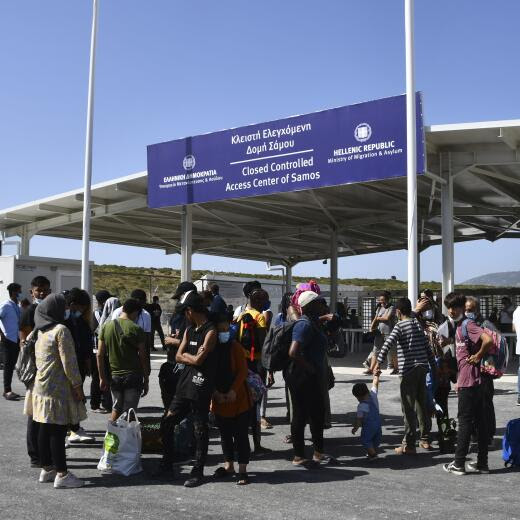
(482, 159)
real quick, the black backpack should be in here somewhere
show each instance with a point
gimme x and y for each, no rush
(275, 351)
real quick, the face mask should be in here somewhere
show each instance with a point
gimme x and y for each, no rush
(223, 337)
(67, 314)
(76, 314)
(428, 314)
(471, 315)
(457, 318)
(37, 300)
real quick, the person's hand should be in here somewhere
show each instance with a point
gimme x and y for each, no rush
(77, 393)
(169, 413)
(103, 385)
(145, 387)
(231, 396)
(270, 379)
(169, 340)
(475, 359)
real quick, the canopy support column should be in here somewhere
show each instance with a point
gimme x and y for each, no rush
(411, 154)
(448, 251)
(288, 278)
(186, 243)
(25, 243)
(333, 270)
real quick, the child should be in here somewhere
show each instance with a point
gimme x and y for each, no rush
(368, 417)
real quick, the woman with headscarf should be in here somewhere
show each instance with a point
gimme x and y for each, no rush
(56, 399)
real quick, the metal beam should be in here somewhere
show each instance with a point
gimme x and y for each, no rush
(186, 243)
(333, 270)
(56, 209)
(125, 188)
(98, 201)
(448, 252)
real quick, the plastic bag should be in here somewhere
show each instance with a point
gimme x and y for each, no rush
(122, 446)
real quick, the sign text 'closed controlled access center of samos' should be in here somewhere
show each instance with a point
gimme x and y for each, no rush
(356, 143)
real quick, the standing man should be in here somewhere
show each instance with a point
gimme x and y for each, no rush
(218, 305)
(155, 311)
(472, 343)
(414, 355)
(10, 315)
(382, 324)
(40, 289)
(194, 389)
(143, 320)
(505, 317)
(124, 342)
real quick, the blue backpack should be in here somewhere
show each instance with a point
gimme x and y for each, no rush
(511, 444)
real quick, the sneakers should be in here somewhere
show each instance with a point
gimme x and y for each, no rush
(47, 476)
(80, 436)
(451, 468)
(69, 481)
(475, 468)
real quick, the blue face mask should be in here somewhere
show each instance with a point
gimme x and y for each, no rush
(76, 314)
(223, 337)
(471, 316)
(67, 314)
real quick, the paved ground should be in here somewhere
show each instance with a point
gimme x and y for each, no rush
(394, 487)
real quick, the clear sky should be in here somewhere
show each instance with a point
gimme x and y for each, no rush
(169, 68)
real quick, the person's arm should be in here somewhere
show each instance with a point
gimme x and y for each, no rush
(25, 330)
(358, 422)
(487, 343)
(100, 357)
(206, 348)
(387, 316)
(390, 342)
(361, 411)
(67, 353)
(145, 364)
(375, 382)
(295, 354)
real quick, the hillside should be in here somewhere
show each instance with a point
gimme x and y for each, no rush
(507, 279)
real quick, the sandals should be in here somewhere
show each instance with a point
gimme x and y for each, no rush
(242, 479)
(223, 473)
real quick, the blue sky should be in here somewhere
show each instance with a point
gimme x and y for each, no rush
(169, 68)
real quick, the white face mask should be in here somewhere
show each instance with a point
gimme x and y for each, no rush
(223, 337)
(428, 314)
(37, 300)
(67, 314)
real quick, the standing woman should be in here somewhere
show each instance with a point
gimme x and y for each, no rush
(304, 378)
(56, 400)
(232, 404)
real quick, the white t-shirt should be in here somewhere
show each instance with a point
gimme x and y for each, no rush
(516, 324)
(364, 407)
(144, 320)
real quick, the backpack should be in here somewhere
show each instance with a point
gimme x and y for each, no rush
(511, 444)
(275, 352)
(252, 334)
(494, 362)
(26, 363)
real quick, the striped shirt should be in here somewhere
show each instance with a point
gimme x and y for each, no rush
(412, 346)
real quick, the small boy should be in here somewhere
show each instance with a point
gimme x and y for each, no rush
(368, 417)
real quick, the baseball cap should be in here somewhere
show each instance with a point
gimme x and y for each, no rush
(190, 299)
(307, 297)
(182, 288)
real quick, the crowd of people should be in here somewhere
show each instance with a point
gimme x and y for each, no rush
(214, 371)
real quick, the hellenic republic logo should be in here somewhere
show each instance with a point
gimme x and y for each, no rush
(363, 132)
(188, 162)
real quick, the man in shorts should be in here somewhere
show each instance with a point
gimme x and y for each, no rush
(125, 343)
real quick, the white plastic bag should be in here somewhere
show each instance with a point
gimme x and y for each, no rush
(122, 446)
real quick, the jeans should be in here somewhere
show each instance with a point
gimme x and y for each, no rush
(234, 437)
(308, 407)
(180, 409)
(11, 351)
(414, 406)
(51, 444)
(471, 413)
(488, 392)
(97, 397)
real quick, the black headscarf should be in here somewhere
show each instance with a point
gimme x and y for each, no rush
(50, 312)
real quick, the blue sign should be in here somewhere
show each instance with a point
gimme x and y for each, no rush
(357, 143)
